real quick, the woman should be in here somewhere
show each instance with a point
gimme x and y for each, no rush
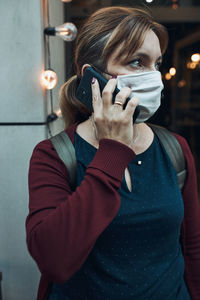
(117, 236)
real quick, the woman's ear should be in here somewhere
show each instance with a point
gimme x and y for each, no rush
(83, 68)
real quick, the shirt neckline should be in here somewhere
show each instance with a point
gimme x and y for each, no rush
(138, 156)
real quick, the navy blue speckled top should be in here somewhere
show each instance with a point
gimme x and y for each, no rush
(138, 256)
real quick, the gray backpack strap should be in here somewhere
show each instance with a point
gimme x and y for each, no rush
(66, 152)
(174, 151)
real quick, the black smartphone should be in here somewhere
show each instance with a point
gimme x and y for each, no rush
(84, 91)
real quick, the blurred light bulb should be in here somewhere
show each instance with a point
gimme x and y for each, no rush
(168, 76)
(49, 79)
(149, 1)
(195, 57)
(172, 71)
(66, 31)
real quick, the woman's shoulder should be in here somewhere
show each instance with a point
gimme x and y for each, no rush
(183, 143)
(45, 146)
(189, 158)
(180, 138)
(45, 160)
(44, 154)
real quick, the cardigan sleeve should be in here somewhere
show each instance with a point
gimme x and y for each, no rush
(62, 226)
(191, 225)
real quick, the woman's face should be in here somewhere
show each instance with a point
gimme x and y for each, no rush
(147, 58)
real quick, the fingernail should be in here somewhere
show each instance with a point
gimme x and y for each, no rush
(93, 80)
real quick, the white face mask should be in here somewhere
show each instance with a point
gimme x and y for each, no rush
(147, 86)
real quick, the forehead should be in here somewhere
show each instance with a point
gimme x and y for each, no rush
(151, 44)
(150, 47)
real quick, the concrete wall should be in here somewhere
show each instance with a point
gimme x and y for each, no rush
(22, 99)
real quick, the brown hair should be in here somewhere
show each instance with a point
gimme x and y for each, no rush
(103, 32)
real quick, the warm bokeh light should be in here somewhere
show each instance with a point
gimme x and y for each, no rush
(174, 6)
(66, 1)
(195, 57)
(49, 79)
(172, 71)
(191, 65)
(149, 1)
(181, 83)
(168, 76)
(58, 113)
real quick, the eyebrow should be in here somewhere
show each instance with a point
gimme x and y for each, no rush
(146, 56)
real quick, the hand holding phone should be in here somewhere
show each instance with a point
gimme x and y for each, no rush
(84, 91)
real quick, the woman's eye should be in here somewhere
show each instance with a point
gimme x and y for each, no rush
(158, 65)
(136, 63)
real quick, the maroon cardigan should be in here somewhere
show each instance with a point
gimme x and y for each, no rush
(61, 234)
